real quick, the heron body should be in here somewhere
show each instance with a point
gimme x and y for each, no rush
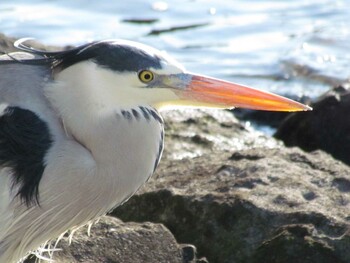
(80, 132)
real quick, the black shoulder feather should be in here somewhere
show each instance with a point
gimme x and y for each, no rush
(24, 142)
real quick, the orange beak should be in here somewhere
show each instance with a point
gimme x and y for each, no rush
(225, 94)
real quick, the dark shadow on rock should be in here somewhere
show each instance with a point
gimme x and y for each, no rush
(327, 127)
(290, 242)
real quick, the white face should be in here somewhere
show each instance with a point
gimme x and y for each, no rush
(126, 89)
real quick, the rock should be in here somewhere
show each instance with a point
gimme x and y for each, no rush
(190, 133)
(114, 241)
(251, 205)
(325, 128)
(111, 240)
(304, 248)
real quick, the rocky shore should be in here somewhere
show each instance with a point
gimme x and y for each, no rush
(226, 193)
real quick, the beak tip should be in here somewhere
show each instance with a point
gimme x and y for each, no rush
(307, 108)
(302, 108)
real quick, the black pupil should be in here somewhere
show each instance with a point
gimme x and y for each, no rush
(147, 76)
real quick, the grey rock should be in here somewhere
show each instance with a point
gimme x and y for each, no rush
(252, 205)
(295, 243)
(191, 133)
(111, 240)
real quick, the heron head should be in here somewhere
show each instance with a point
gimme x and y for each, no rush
(129, 74)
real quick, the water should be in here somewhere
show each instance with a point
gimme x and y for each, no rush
(299, 47)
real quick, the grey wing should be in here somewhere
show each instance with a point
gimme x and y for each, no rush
(34, 153)
(28, 126)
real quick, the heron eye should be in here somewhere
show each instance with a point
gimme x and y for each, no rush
(146, 76)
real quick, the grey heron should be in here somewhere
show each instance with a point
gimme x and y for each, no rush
(80, 131)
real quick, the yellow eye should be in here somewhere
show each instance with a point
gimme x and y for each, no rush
(146, 76)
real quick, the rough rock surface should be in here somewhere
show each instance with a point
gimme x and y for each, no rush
(111, 240)
(190, 133)
(326, 127)
(252, 205)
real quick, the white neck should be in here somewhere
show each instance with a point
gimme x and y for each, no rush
(126, 142)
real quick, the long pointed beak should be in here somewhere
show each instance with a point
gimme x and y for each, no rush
(226, 94)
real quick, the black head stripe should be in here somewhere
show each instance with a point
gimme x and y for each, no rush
(109, 54)
(123, 57)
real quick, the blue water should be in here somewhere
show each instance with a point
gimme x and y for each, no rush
(299, 47)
